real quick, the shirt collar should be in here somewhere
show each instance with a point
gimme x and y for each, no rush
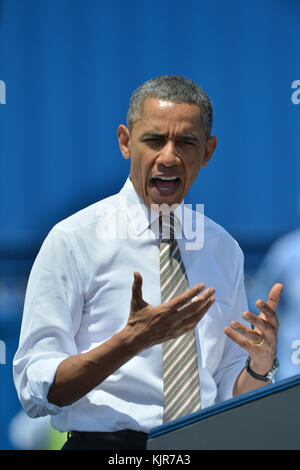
(139, 214)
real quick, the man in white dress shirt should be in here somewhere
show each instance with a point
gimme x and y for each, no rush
(90, 351)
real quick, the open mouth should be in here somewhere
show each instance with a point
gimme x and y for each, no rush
(166, 185)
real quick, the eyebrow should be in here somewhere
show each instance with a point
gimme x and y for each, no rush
(156, 135)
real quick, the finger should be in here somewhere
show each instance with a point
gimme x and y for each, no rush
(274, 296)
(267, 323)
(185, 297)
(188, 323)
(137, 298)
(196, 305)
(238, 339)
(201, 311)
(267, 313)
(187, 318)
(253, 336)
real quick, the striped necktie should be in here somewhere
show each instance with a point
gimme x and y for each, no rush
(181, 379)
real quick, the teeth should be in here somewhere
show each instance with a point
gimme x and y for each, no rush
(166, 178)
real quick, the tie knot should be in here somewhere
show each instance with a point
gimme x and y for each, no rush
(166, 227)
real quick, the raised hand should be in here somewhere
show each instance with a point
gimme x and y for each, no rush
(155, 324)
(261, 341)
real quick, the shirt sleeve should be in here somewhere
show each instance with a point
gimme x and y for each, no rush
(52, 315)
(234, 357)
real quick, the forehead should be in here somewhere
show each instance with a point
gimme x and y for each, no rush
(163, 115)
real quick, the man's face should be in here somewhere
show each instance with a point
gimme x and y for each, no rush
(167, 147)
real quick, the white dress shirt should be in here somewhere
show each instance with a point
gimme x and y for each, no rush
(79, 294)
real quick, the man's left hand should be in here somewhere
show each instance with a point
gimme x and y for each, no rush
(261, 341)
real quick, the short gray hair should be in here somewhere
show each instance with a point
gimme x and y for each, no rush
(175, 89)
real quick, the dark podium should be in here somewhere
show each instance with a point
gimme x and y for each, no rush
(267, 418)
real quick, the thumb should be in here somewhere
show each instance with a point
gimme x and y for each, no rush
(137, 297)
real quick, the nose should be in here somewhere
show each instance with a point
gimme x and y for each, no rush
(168, 155)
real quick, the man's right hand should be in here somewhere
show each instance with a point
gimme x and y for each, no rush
(147, 325)
(152, 325)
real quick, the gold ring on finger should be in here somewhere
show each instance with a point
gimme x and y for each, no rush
(260, 343)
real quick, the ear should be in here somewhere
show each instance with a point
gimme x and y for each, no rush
(209, 149)
(124, 140)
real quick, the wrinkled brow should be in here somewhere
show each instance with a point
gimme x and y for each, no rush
(158, 135)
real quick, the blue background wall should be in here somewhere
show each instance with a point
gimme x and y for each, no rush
(70, 67)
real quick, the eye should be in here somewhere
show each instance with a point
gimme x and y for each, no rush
(186, 142)
(154, 141)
